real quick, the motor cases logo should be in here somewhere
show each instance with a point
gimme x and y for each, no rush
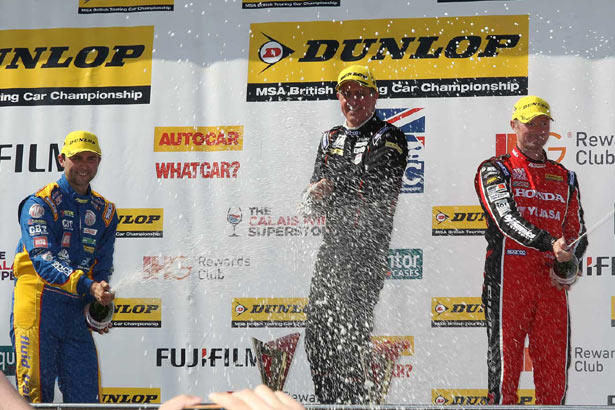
(457, 312)
(438, 57)
(76, 66)
(137, 312)
(458, 220)
(140, 223)
(405, 264)
(268, 312)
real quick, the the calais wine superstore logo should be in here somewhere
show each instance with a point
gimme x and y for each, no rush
(261, 221)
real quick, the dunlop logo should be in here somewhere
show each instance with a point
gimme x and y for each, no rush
(130, 395)
(457, 312)
(410, 58)
(140, 223)
(474, 397)
(175, 139)
(76, 66)
(458, 220)
(123, 6)
(612, 311)
(268, 312)
(137, 312)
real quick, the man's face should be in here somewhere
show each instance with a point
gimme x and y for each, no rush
(358, 103)
(80, 169)
(533, 135)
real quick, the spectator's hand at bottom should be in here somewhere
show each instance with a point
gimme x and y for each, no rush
(180, 402)
(261, 398)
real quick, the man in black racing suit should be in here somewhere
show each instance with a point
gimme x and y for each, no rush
(356, 182)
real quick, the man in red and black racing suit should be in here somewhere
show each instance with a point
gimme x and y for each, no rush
(533, 211)
(356, 181)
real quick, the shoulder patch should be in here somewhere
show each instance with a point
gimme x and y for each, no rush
(46, 194)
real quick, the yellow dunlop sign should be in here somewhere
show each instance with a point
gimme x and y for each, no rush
(123, 6)
(268, 312)
(474, 397)
(259, 4)
(76, 66)
(130, 395)
(458, 220)
(410, 58)
(404, 343)
(172, 139)
(457, 312)
(137, 312)
(140, 223)
(612, 311)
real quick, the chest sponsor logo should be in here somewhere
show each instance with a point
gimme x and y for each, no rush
(475, 397)
(137, 312)
(6, 268)
(40, 242)
(259, 4)
(412, 122)
(7, 360)
(268, 312)
(405, 264)
(516, 252)
(457, 312)
(458, 220)
(543, 196)
(36, 211)
(140, 223)
(528, 211)
(261, 221)
(451, 57)
(76, 66)
(133, 395)
(123, 6)
(90, 218)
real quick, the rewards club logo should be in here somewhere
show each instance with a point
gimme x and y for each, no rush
(76, 66)
(451, 57)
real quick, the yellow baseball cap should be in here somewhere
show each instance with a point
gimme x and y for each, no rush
(359, 73)
(530, 107)
(79, 141)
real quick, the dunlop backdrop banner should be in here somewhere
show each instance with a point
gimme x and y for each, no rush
(209, 115)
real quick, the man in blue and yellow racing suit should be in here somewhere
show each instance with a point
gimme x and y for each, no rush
(63, 261)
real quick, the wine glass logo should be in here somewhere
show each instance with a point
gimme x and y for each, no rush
(234, 217)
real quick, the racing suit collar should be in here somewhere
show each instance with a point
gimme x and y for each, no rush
(364, 122)
(68, 190)
(519, 154)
